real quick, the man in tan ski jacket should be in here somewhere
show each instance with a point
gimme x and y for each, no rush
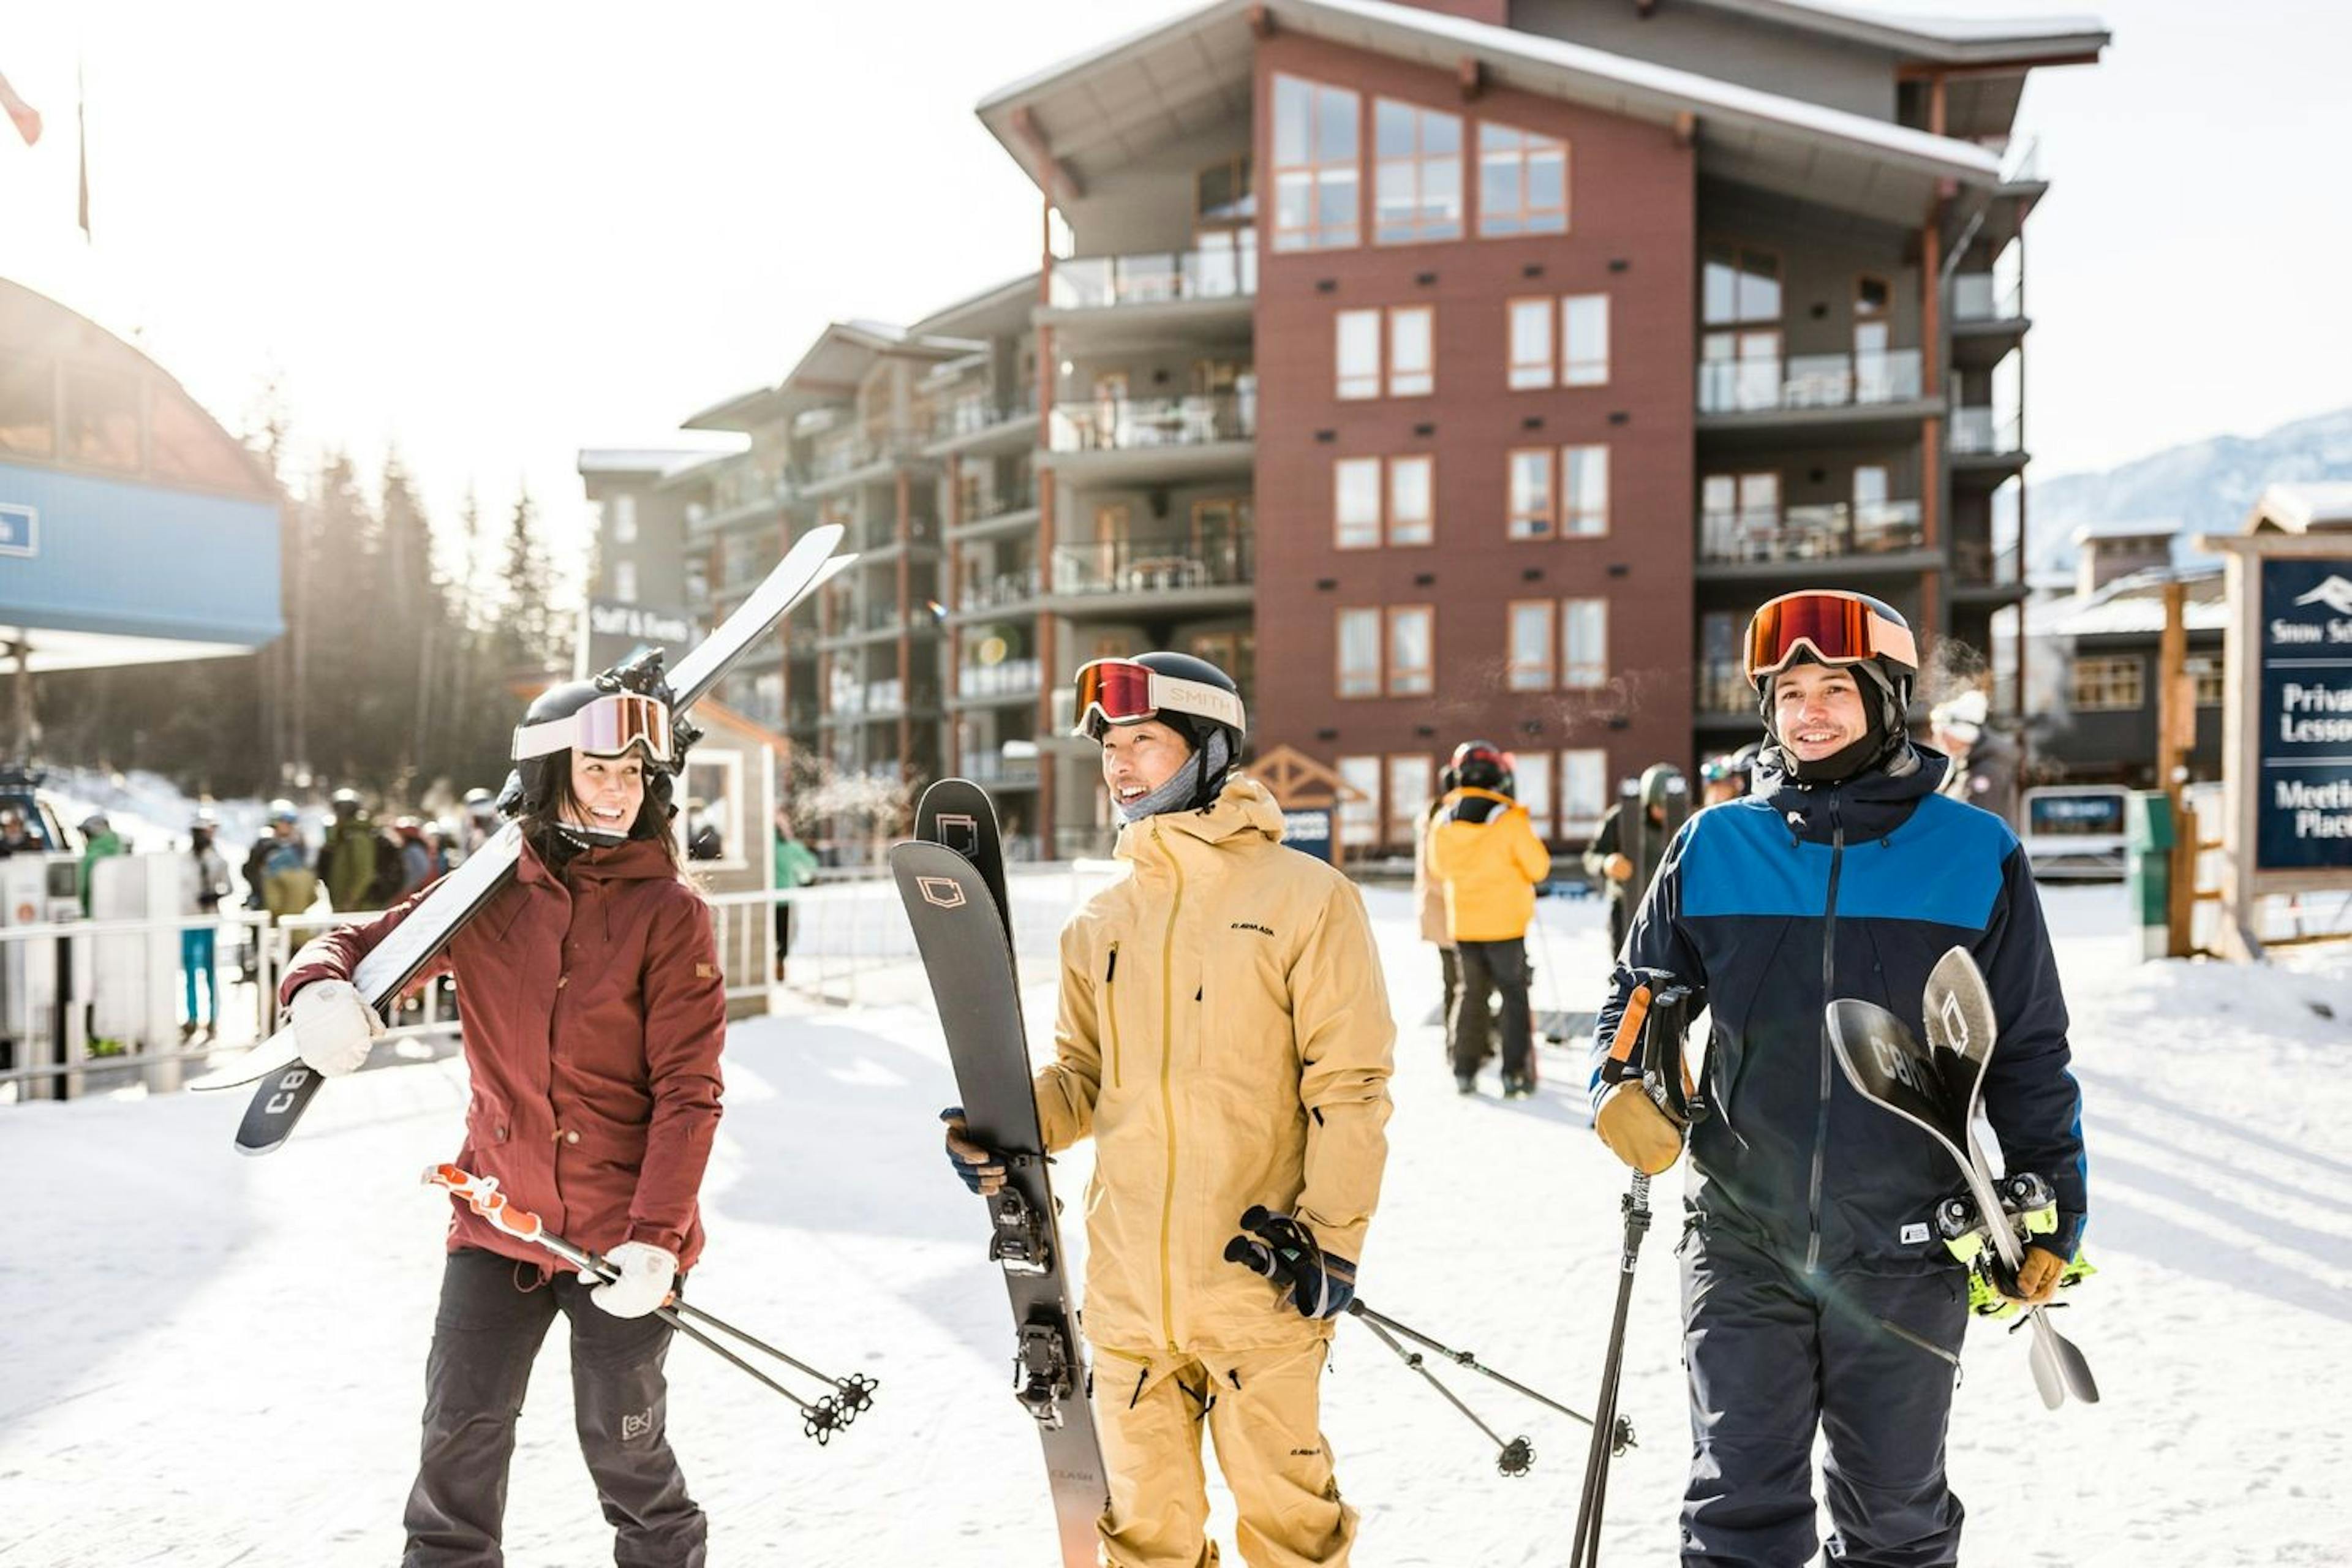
(1224, 1037)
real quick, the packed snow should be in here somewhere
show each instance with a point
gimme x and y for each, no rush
(207, 1360)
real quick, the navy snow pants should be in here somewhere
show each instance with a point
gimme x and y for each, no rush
(1773, 1353)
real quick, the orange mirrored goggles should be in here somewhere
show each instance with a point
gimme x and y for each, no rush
(605, 727)
(1121, 691)
(1834, 627)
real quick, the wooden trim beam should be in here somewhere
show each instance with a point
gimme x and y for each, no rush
(1686, 128)
(1052, 173)
(1261, 22)
(1992, 67)
(1472, 74)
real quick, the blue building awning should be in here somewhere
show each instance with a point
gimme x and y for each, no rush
(100, 572)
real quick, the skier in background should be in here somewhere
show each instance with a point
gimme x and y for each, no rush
(481, 819)
(418, 861)
(277, 874)
(1983, 769)
(1605, 858)
(203, 883)
(347, 858)
(794, 865)
(99, 842)
(1225, 1001)
(1728, 777)
(1429, 909)
(1816, 1293)
(593, 1012)
(1483, 852)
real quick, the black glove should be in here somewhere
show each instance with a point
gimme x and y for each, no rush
(1320, 1284)
(979, 1169)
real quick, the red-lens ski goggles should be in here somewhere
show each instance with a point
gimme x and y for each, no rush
(605, 727)
(1835, 627)
(1121, 691)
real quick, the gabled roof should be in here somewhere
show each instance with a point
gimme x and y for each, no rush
(2134, 604)
(2127, 528)
(1943, 40)
(2302, 509)
(657, 461)
(1104, 108)
(829, 371)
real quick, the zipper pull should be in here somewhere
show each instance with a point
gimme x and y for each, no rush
(1111, 971)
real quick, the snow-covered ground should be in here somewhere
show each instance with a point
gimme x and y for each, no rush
(206, 1359)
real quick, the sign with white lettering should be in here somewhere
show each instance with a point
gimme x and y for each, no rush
(2302, 809)
(616, 630)
(1308, 830)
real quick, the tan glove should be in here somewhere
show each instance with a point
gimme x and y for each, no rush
(2038, 1276)
(1619, 869)
(1636, 1130)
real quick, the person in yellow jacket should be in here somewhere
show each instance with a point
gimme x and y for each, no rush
(1224, 1037)
(1485, 851)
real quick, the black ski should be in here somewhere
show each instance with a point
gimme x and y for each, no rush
(962, 932)
(287, 1087)
(1938, 1087)
(958, 814)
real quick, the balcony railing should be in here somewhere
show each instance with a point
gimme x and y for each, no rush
(980, 410)
(1092, 282)
(1021, 498)
(1810, 533)
(996, 768)
(1013, 678)
(1976, 297)
(833, 456)
(1808, 381)
(1145, 566)
(1976, 564)
(1724, 688)
(1139, 424)
(987, 592)
(1979, 432)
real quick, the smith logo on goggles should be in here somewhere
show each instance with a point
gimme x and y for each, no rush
(606, 727)
(1835, 627)
(1121, 691)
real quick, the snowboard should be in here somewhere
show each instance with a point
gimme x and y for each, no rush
(1938, 1087)
(287, 1085)
(961, 929)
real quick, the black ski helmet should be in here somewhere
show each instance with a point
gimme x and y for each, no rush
(539, 782)
(1481, 765)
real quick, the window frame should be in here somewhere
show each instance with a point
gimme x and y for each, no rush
(2106, 667)
(1529, 220)
(1530, 375)
(1532, 767)
(1574, 372)
(1570, 669)
(1362, 385)
(1316, 171)
(1341, 616)
(1392, 680)
(1419, 229)
(1341, 537)
(1399, 824)
(1427, 375)
(1513, 518)
(1560, 802)
(1519, 677)
(1392, 520)
(1741, 252)
(1568, 509)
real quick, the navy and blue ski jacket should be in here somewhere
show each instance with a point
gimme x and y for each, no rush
(1769, 906)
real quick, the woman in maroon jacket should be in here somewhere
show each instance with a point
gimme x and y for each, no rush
(593, 1012)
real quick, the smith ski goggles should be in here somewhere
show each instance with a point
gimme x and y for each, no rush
(1835, 628)
(1121, 691)
(605, 727)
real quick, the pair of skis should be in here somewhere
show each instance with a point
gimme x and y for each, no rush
(951, 881)
(1938, 1087)
(287, 1085)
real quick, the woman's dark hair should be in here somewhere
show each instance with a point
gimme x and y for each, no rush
(542, 813)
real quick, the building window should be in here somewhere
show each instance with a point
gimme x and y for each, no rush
(1360, 653)
(1534, 779)
(1417, 187)
(2108, 685)
(1738, 285)
(1530, 633)
(625, 519)
(1409, 781)
(1361, 819)
(1584, 340)
(1413, 351)
(1413, 650)
(1583, 642)
(1223, 195)
(1356, 503)
(1739, 516)
(1530, 494)
(1531, 344)
(624, 581)
(2205, 669)
(1584, 487)
(1318, 176)
(1357, 349)
(1412, 501)
(1583, 789)
(1522, 182)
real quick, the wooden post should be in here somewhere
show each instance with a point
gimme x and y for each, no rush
(2176, 712)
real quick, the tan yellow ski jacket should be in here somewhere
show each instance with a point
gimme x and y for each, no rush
(1224, 1036)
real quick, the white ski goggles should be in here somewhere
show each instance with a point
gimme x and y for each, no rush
(605, 727)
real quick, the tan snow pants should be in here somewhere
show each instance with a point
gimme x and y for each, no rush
(1261, 1408)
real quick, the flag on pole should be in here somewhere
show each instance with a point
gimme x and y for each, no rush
(81, 130)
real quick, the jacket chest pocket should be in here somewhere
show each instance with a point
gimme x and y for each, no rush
(1240, 1015)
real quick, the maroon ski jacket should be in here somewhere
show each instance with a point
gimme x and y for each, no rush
(594, 1012)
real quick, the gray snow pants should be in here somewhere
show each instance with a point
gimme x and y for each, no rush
(494, 1314)
(1773, 1354)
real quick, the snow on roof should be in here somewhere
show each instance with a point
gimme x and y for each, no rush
(2134, 605)
(2127, 528)
(664, 460)
(1921, 32)
(2300, 508)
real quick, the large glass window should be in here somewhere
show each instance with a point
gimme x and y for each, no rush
(1361, 819)
(1584, 483)
(1531, 493)
(1417, 190)
(1317, 172)
(1533, 777)
(1356, 347)
(1522, 182)
(1223, 193)
(1583, 789)
(1583, 642)
(1738, 285)
(1413, 650)
(1530, 636)
(1408, 780)
(625, 518)
(1584, 340)
(1359, 634)
(1356, 503)
(1412, 505)
(1413, 351)
(1531, 344)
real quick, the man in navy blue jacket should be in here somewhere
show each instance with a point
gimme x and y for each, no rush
(1816, 1294)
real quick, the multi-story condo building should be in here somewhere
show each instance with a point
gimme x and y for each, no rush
(1468, 368)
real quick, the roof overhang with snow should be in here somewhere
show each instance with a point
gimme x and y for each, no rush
(829, 373)
(2302, 509)
(1937, 40)
(1087, 117)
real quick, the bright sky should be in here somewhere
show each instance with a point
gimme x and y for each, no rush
(495, 234)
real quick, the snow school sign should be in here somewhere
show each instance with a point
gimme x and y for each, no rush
(2287, 708)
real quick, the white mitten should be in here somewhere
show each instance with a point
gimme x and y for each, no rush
(333, 1027)
(646, 1274)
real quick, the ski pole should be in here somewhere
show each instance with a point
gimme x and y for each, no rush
(1515, 1456)
(821, 1418)
(1585, 1552)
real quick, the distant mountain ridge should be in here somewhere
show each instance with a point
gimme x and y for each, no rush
(2202, 486)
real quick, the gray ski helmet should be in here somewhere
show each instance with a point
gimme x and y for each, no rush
(543, 777)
